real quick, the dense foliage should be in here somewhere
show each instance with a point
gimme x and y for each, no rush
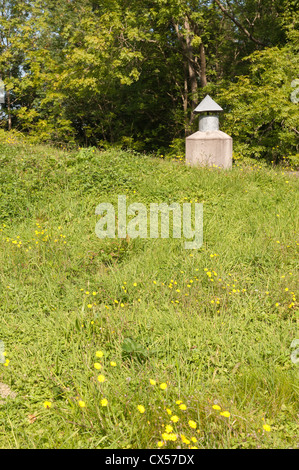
(98, 72)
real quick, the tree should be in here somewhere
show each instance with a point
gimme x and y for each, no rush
(131, 72)
(261, 116)
(13, 41)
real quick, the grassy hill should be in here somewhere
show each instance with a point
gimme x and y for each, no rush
(140, 343)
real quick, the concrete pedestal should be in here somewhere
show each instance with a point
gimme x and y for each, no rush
(209, 148)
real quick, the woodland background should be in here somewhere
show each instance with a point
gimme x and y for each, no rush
(129, 73)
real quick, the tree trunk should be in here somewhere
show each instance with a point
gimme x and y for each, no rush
(203, 66)
(190, 73)
(8, 110)
(185, 101)
(191, 63)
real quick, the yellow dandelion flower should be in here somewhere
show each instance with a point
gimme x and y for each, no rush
(104, 402)
(174, 418)
(193, 439)
(81, 404)
(163, 386)
(168, 411)
(178, 402)
(47, 404)
(152, 382)
(160, 443)
(183, 407)
(226, 414)
(89, 306)
(184, 439)
(101, 378)
(99, 354)
(97, 365)
(141, 408)
(192, 424)
(216, 407)
(266, 427)
(113, 364)
(168, 428)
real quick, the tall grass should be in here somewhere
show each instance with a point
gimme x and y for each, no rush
(214, 325)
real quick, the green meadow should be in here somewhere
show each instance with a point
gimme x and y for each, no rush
(141, 343)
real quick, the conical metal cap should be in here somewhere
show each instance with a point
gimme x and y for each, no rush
(207, 105)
